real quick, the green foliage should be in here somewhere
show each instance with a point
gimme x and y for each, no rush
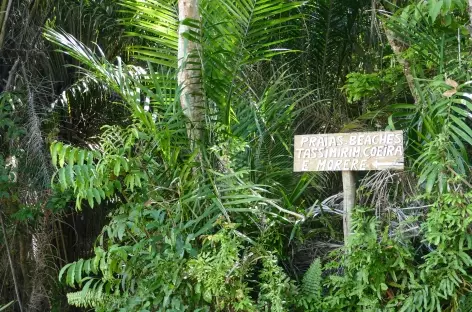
(465, 303)
(8, 121)
(373, 87)
(439, 133)
(162, 249)
(311, 288)
(360, 85)
(95, 183)
(205, 228)
(27, 214)
(380, 272)
(219, 273)
(11, 131)
(275, 286)
(439, 285)
(440, 11)
(443, 135)
(165, 272)
(374, 269)
(232, 36)
(89, 298)
(142, 267)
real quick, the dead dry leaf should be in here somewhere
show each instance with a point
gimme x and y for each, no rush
(452, 83)
(450, 93)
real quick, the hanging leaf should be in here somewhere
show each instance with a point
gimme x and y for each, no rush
(90, 197)
(435, 7)
(81, 157)
(55, 149)
(116, 169)
(62, 155)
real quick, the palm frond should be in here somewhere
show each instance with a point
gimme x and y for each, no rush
(440, 131)
(155, 24)
(232, 35)
(239, 34)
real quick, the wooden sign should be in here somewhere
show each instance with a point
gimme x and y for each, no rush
(349, 151)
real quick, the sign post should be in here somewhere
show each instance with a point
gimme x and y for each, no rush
(349, 200)
(349, 152)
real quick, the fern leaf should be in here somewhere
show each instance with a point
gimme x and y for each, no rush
(311, 284)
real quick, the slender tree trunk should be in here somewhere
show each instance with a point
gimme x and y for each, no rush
(4, 20)
(469, 9)
(13, 169)
(11, 75)
(23, 247)
(10, 261)
(3, 10)
(189, 76)
(397, 50)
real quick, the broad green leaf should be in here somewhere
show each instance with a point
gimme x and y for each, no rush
(121, 230)
(62, 155)
(462, 125)
(124, 164)
(89, 158)
(81, 157)
(62, 178)
(431, 180)
(87, 286)
(70, 279)
(464, 136)
(90, 197)
(64, 268)
(71, 156)
(116, 169)
(87, 266)
(78, 270)
(55, 148)
(70, 175)
(435, 7)
(97, 196)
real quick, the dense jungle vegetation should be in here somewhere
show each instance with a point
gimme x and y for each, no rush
(146, 155)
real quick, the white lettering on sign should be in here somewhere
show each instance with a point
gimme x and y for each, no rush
(349, 151)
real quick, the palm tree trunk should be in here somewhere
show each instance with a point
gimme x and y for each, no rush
(189, 74)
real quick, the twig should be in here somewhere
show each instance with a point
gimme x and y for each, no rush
(458, 175)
